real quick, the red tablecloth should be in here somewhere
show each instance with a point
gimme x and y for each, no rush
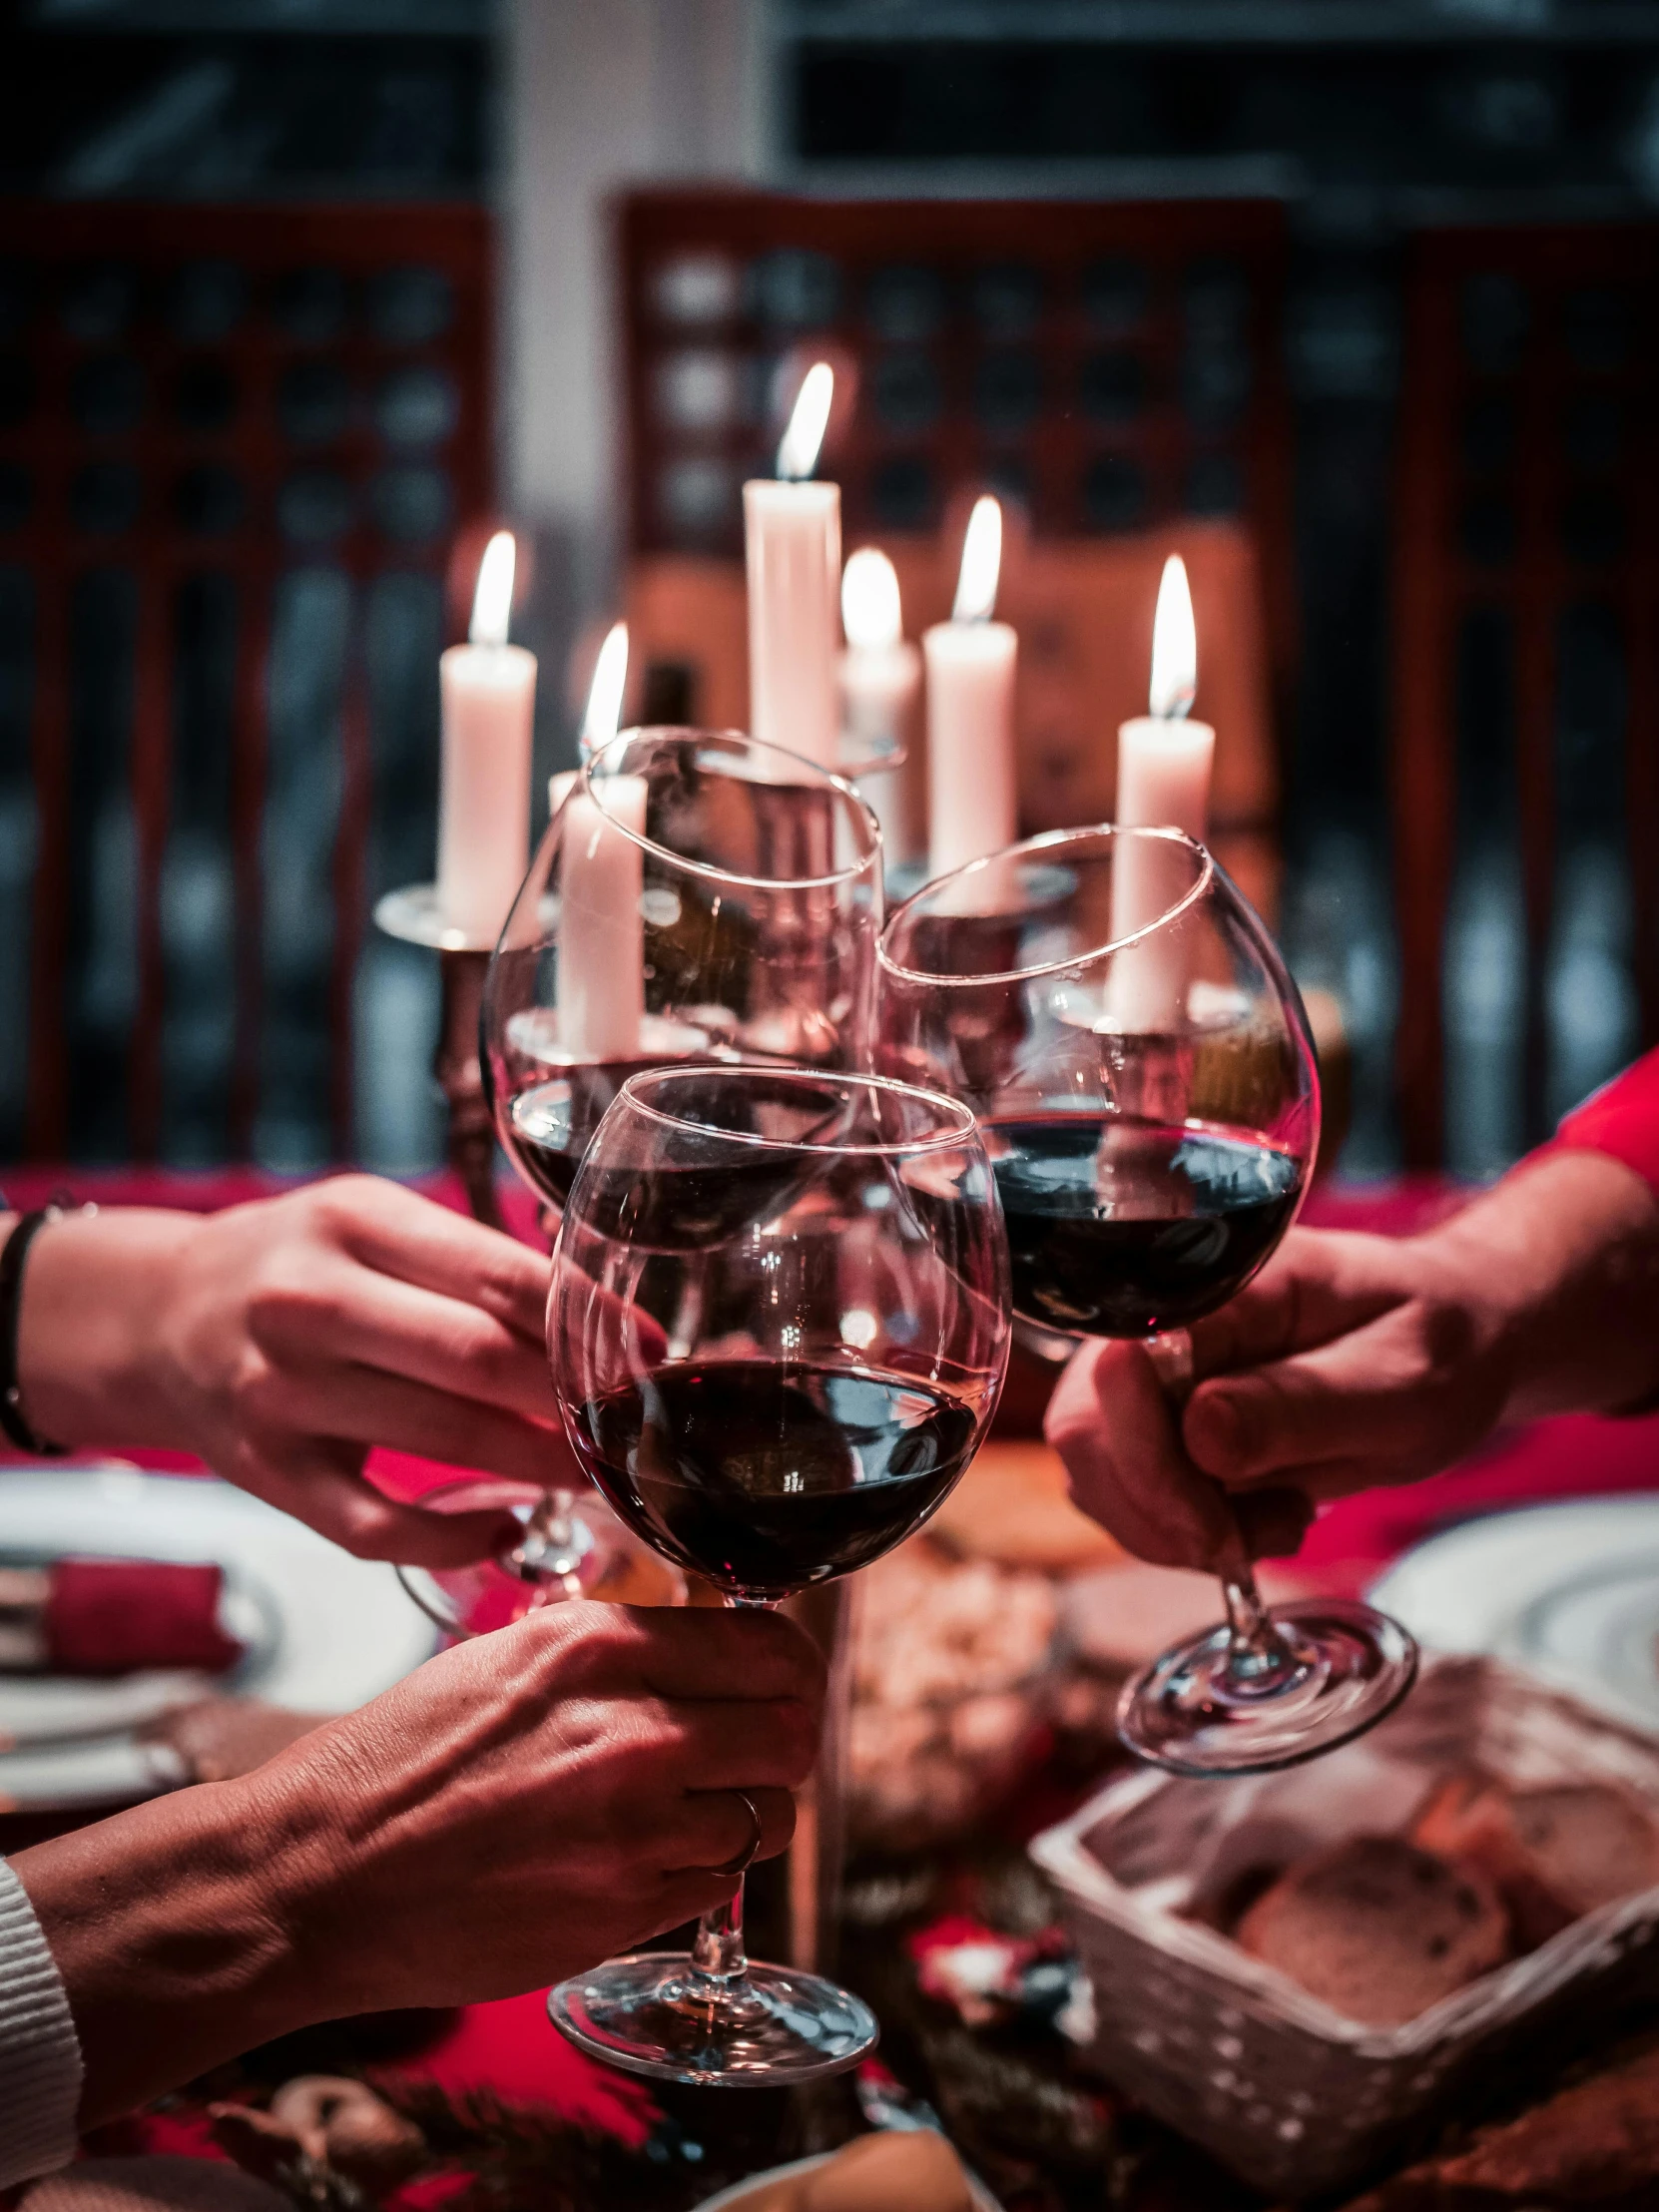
(508, 2047)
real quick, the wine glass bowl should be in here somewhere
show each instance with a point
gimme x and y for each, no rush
(696, 897)
(1149, 1094)
(1120, 1019)
(777, 1327)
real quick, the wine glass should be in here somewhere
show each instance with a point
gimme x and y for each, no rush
(697, 896)
(839, 1241)
(1119, 1018)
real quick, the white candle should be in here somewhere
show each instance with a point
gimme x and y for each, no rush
(1164, 764)
(880, 681)
(488, 693)
(1164, 759)
(972, 795)
(599, 982)
(793, 547)
(600, 979)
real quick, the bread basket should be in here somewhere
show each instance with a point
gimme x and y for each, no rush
(1290, 2094)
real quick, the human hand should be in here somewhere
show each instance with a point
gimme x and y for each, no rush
(279, 1341)
(1354, 1360)
(565, 1791)
(1335, 1370)
(520, 1808)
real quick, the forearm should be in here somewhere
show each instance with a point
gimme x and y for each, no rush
(93, 1289)
(1561, 1259)
(173, 1928)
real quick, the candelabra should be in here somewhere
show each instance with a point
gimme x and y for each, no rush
(412, 915)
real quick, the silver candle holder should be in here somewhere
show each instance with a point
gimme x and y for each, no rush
(413, 916)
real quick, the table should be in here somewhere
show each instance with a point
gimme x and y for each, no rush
(499, 2077)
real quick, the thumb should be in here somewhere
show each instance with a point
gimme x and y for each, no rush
(1115, 1432)
(1397, 1396)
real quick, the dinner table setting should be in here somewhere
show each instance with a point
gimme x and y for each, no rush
(1335, 1885)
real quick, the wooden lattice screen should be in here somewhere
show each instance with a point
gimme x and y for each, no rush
(1110, 367)
(235, 446)
(1528, 503)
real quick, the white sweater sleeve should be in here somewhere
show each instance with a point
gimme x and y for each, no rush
(39, 2053)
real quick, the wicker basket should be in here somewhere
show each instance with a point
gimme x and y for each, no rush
(1291, 2095)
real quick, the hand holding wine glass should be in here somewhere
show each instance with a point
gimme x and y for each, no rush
(823, 1256)
(1120, 1021)
(1355, 1361)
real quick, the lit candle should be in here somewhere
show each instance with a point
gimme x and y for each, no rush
(972, 797)
(793, 545)
(1164, 759)
(880, 680)
(600, 978)
(488, 693)
(603, 717)
(1164, 763)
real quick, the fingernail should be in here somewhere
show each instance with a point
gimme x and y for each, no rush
(1272, 1522)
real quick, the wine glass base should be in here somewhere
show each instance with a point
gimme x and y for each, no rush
(1189, 1713)
(605, 1560)
(652, 2013)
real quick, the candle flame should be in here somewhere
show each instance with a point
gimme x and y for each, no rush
(870, 611)
(797, 449)
(492, 601)
(610, 674)
(982, 563)
(1174, 646)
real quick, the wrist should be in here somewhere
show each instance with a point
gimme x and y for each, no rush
(95, 1292)
(1554, 1262)
(174, 1930)
(1479, 1313)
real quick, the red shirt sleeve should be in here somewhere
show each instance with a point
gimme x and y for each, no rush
(1621, 1119)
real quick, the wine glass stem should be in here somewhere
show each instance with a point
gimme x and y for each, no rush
(1258, 1656)
(718, 1956)
(553, 1540)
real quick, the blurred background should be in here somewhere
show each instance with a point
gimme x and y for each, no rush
(1356, 298)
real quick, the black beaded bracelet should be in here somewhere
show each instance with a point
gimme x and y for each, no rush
(16, 1252)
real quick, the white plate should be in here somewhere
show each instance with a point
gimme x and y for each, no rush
(730, 2200)
(326, 1632)
(1570, 1591)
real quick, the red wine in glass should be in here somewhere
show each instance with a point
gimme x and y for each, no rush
(1124, 1228)
(767, 1478)
(549, 1122)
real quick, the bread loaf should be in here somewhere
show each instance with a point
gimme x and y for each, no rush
(913, 2172)
(1377, 1929)
(1554, 1854)
(1596, 2143)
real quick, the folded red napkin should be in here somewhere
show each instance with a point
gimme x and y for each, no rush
(114, 1616)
